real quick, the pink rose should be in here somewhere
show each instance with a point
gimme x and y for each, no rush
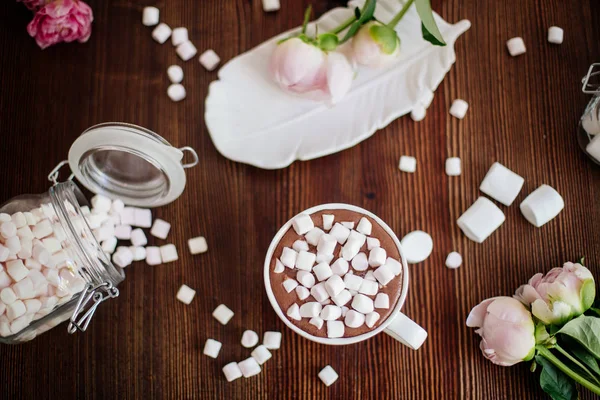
(33, 4)
(61, 21)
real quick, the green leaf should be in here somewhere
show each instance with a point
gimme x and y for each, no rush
(554, 382)
(385, 36)
(587, 294)
(586, 358)
(328, 41)
(368, 11)
(595, 310)
(352, 31)
(586, 331)
(431, 32)
(307, 15)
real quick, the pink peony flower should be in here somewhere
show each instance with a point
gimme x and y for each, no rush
(506, 328)
(61, 21)
(34, 4)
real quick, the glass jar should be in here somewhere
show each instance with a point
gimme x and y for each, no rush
(52, 268)
(588, 134)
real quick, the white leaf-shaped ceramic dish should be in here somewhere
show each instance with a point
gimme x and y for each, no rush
(252, 121)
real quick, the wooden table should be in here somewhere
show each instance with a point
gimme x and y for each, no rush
(523, 112)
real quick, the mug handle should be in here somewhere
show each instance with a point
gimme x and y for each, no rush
(406, 331)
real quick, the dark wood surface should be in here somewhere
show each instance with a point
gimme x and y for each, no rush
(523, 113)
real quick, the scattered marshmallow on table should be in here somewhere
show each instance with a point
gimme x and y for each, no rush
(168, 253)
(555, 35)
(186, 50)
(328, 376)
(459, 108)
(481, 220)
(197, 245)
(212, 348)
(150, 16)
(232, 371)
(139, 253)
(249, 367)
(272, 340)
(516, 46)
(179, 35)
(175, 73)
(408, 164)
(176, 92)
(249, 339)
(222, 314)
(454, 260)
(453, 166)
(261, 354)
(542, 205)
(185, 294)
(138, 238)
(123, 232)
(502, 184)
(128, 216)
(161, 33)
(209, 60)
(270, 5)
(417, 246)
(123, 257)
(418, 113)
(153, 255)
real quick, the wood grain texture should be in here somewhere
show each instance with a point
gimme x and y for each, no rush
(146, 345)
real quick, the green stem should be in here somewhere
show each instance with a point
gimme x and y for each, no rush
(547, 354)
(343, 26)
(392, 24)
(576, 362)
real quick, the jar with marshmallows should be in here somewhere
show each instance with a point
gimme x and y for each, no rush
(589, 126)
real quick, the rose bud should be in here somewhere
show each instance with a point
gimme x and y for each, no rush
(506, 329)
(375, 45)
(564, 293)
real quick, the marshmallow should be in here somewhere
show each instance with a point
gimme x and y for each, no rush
(327, 243)
(4, 217)
(4, 253)
(382, 301)
(19, 219)
(153, 255)
(417, 246)
(377, 257)
(26, 248)
(353, 282)
(185, 294)
(364, 226)
(123, 257)
(418, 113)
(232, 371)
(175, 73)
(501, 184)
(453, 166)
(272, 340)
(555, 35)
(32, 264)
(209, 60)
(138, 238)
(294, 312)
(101, 204)
(353, 245)
(143, 217)
(106, 231)
(305, 260)
(342, 298)
(454, 260)
(302, 292)
(384, 274)
(300, 245)
(168, 253)
(85, 210)
(459, 108)
(8, 296)
(222, 314)
(590, 122)
(340, 267)
(249, 367)
(328, 221)
(24, 289)
(371, 318)
(9, 229)
(261, 354)
(17, 270)
(109, 245)
(316, 321)
(362, 303)
(150, 16)
(313, 236)
(322, 271)
(288, 257)
(51, 244)
(289, 285)
(330, 313)
(161, 33)
(271, 5)
(354, 319)
(481, 220)
(306, 279)
(368, 287)
(197, 245)
(326, 302)
(324, 258)
(516, 46)
(408, 164)
(123, 232)
(15, 309)
(319, 292)
(95, 220)
(117, 206)
(542, 205)
(310, 309)
(348, 224)
(334, 285)
(335, 329)
(395, 265)
(302, 224)
(212, 348)
(128, 216)
(369, 276)
(176, 92)
(52, 276)
(32, 305)
(179, 36)
(160, 229)
(360, 262)
(340, 233)
(278, 267)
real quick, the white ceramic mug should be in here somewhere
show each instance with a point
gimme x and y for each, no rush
(397, 325)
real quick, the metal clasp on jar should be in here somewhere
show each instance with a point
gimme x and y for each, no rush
(94, 296)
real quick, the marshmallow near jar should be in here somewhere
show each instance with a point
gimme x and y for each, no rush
(176, 92)
(186, 50)
(150, 16)
(161, 33)
(179, 36)
(209, 59)
(516, 46)
(555, 35)
(542, 205)
(481, 220)
(502, 184)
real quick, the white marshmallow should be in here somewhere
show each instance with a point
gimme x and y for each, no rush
(19, 219)
(364, 226)
(212, 348)
(408, 164)
(160, 229)
(340, 233)
(328, 221)
(4, 253)
(382, 301)
(249, 339)
(313, 236)
(454, 260)
(179, 36)
(32, 264)
(123, 257)
(354, 319)
(317, 322)
(109, 245)
(101, 204)
(362, 303)
(327, 244)
(15, 309)
(342, 298)
(17, 270)
(51, 244)
(261, 354)
(143, 217)
(222, 314)
(417, 246)
(353, 282)
(322, 271)
(161, 33)
(138, 238)
(271, 5)
(232, 371)
(360, 262)
(327, 375)
(289, 285)
(176, 92)
(272, 340)
(8, 296)
(319, 292)
(453, 166)
(516, 46)
(168, 253)
(294, 312)
(302, 224)
(326, 302)
(24, 289)
(340, 267)
(481, 220)
(150, 16)
(32, 305)
(175, 74)
(13, 244)
(128, 216)
(249, 367)
(459, 108)
(369, 276)
(279, 268)
(26, 248)
(310, 309)
(371, 318)
(209, 60)
(348, 224)
(501, 184)
(306, 279)
(593, 148)
(542, 205)
(25, 232)
(186, 294)
(330, 313)
(324, 258)
(85, 210)
(305, 260)
(384, 274)
(123, 232)
(288, 257)
(335, 329)
(4, 217)
(153, 255)
(300, 245)
(418, 113)
(334, 285)
(590, 122)
(302, 292)
(395, 265)
(9, 229)
(353, 245)
(377, 257)
(52, 276)
(555, 35)
(197, 245)
(95, 220)
(117, 206)
(368, 287)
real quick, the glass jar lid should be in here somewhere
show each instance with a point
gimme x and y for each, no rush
(131, 163)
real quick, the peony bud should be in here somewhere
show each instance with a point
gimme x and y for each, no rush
(506, 328)
(375, 45)
(564, 293)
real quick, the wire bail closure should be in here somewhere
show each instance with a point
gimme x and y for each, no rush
(591, 88)
(53, 175)
(96, 295)
(194, 156)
